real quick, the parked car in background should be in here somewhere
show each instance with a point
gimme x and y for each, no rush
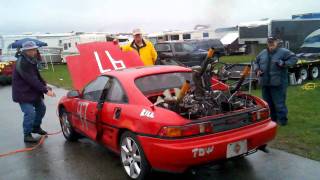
(181, 52)
(206, 44)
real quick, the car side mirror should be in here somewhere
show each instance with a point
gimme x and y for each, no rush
(73, 94)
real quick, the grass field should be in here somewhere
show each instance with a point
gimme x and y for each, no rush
(59, 77)
(237, 59)
(301, 136)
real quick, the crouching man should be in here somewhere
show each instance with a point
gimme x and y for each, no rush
(28, 89)
(271, 66)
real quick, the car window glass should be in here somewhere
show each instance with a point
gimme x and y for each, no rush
(163, 47)
(178, 47)
(174, 37)
(93, 91)
(187, 47)
(116, 93)
(164, 81)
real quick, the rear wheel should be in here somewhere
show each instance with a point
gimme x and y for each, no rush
(314, 72)
(132, 157)
(303, 74)
(67, 129)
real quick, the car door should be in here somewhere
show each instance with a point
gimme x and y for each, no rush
(195, 57)
(179, 52)
(86, 107)
(112, 113)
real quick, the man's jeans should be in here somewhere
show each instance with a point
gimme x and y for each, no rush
(276, 99)
(33, 114)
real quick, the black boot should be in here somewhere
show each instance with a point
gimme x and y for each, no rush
(39, 130)
(28, 138)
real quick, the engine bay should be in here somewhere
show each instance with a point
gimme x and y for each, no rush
(198, 98)
(193, 106)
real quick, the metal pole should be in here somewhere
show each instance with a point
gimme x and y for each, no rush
(51, 63)
(250, 77)
(45, 59)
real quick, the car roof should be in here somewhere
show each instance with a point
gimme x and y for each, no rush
(172, 42)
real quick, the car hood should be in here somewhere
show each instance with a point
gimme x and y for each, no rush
(98, 58)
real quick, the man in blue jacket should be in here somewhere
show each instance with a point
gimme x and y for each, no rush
(28, 89)
(271, 66)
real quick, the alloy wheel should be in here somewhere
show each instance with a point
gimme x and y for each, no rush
(130, 156)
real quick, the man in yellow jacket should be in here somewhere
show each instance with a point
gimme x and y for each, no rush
(145, 48)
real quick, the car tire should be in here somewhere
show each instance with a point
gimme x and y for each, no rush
(314, 72)
(68, 131)
(132, 157)
(303, 74)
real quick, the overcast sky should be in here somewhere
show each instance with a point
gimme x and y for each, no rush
(18, 16)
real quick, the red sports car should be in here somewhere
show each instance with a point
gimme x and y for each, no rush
(167, 118)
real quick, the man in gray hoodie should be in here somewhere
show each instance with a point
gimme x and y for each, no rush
(271, 66)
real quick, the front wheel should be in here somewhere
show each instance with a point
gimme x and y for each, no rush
(132, 157)
(67, 129)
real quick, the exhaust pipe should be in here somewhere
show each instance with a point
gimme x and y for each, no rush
(264, 149)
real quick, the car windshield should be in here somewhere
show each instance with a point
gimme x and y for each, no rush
(159, 82)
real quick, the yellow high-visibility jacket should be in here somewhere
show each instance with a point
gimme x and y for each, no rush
(147, 53)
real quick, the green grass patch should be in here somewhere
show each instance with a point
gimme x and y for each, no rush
(301, 136)
(60, 77)
(237, 59)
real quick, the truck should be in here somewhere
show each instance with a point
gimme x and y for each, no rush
(307, 68)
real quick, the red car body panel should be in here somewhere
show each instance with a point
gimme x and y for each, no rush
(177, 155)
(165, 154)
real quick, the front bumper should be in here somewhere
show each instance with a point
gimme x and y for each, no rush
(177, 155)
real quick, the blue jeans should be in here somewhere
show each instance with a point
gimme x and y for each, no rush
(276, 96)
(33, 114)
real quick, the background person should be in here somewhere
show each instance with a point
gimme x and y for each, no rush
(145, 48)
(271, 66)
(28, 88)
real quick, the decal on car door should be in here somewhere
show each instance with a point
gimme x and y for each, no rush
(82, 113)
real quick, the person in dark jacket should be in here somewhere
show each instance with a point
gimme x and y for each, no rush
(28, 89)
(271, 66)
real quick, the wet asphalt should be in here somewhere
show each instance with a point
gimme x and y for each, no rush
(58, 159)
